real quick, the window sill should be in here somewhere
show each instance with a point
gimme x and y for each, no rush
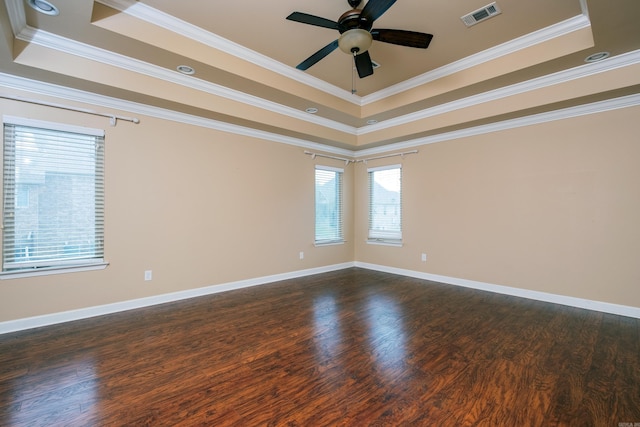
(33, 272)
(383, 242)
(329, 243)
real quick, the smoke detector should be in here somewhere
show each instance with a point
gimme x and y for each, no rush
(482, 14)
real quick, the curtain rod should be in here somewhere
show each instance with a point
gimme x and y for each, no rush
(347, 161)
(314, 155)
(387, 155)
(112, 117)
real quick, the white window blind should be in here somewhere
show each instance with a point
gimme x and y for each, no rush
(329, 205)
(53, 212)
(385, 204)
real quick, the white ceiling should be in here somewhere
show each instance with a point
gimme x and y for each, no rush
(245, 54)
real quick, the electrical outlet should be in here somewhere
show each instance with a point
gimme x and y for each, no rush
(148, 275)
(424, 257)
(301, 255)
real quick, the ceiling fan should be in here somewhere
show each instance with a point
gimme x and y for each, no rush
(356, 34)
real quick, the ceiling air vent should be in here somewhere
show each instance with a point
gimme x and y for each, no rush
(480, 15)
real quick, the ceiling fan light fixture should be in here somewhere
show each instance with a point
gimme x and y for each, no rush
(355, 41)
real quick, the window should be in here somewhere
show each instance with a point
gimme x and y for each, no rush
(53, 196)
(329, 205)
(385, 205)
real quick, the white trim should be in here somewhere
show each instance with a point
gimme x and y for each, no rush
(604, 307)
(48, 271)
(170, 23)
(79, 49)
(566, 113)
(85, 313)
(75, 95)
(543, 35)
(17, 16)
(561, 77)
(185, 29)
(323, 243)
(53, 41)
(66, 45)
(397, 243)
(47, 89)
(92, 53)
(584, 7)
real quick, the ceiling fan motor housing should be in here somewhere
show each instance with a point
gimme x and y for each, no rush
(349, 20)
(354, 39)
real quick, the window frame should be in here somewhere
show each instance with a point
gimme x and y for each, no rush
(11, 268)
(339, 202)
(380, 237)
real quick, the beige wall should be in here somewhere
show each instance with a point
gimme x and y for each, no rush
(552, 207)
(196, 206)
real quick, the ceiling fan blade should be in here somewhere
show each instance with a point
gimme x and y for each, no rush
(374, 10)
(364, 64)
(304, 65)
(402, 37)
(305, 18)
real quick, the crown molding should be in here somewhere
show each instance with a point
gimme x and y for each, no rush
(584, 7)
(75, 95)
(92, 53)
(546, 34)
(17, 16)
(170, 23)
(185, 29)
(62, 44)
(47, 89)
(566, 113)
(582, 71)
(144, 12)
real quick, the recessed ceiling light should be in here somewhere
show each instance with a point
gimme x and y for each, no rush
(185, 69)
(372, 122)
(597, 57)
(43, 6)
(311, 110)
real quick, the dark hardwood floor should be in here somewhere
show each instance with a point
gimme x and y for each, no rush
(348, 348)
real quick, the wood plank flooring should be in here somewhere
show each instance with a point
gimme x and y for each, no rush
(347, 348)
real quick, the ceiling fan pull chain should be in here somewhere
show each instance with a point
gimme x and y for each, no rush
(353, 75)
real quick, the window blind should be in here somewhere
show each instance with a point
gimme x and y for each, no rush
(328, 183)
(53, 212)
(385, 203)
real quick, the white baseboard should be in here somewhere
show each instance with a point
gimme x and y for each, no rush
(85, 313)
(604, 307)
